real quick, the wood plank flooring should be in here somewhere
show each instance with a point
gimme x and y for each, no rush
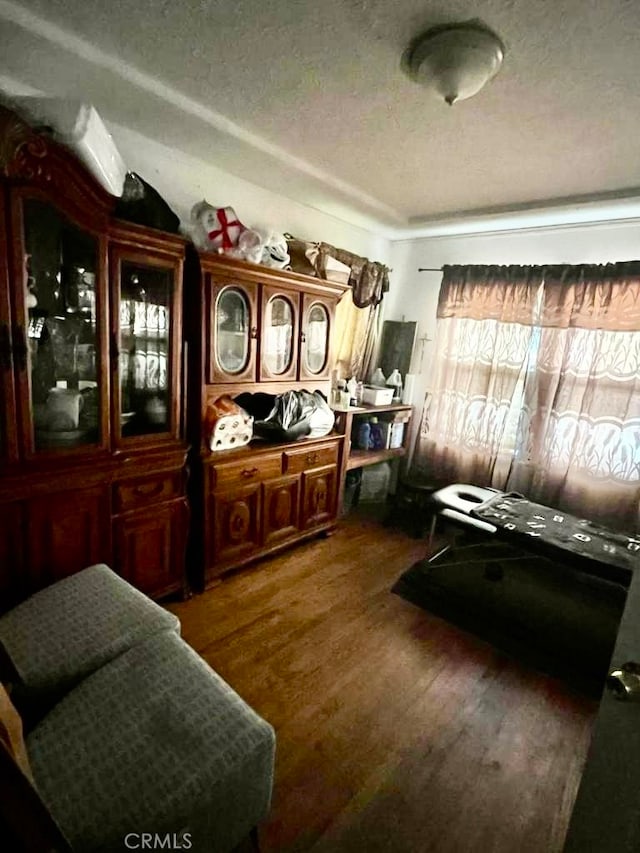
(395, 730)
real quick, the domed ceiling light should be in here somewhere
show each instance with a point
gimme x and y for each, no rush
(454, 60)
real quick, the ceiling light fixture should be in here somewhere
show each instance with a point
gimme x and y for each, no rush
(454, 60)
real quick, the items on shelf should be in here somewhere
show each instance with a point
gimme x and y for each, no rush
(352, 390)
(395, 381)
(141, 203)
(364, 435)
(409, 386)
(227, 424)
(218, 229)
(77, 125)
(341, 394)
(378, 378)
(375, 396)
(377, 439)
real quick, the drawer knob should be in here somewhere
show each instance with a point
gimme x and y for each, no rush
(312, 457)
(249, 472)
(147, 490)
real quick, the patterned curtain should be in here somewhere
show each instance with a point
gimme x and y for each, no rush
(484, 334)
(579, 432)
(537, 386)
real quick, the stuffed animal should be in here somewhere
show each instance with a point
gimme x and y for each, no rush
(276, 251)
(250, 246)
(215, 229)
(262, 247)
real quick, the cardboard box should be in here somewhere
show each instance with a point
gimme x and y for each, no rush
(374, 396)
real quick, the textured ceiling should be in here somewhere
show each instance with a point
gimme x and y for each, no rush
(309, 97)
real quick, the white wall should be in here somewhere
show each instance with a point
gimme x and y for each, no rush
(183, 180)
(414, 295)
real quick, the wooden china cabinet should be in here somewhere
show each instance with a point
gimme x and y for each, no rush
(252, 329)
(92, 451)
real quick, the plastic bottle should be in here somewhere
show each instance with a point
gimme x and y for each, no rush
(378, 378)
(395, 381)
(342, 396)
(352, 389)
(376, 440)
(364, 436)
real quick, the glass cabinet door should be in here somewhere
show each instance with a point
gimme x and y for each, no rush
(233, 333)
(146, 391)
(8, 431)
(59, 344)
(279, 339)
(315, 337)
(232, 330)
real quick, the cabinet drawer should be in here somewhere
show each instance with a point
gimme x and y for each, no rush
(311, 457)
(132, 494)
(249, 470)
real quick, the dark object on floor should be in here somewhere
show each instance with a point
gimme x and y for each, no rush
(549, 616)
(411, 507)
(142, 204)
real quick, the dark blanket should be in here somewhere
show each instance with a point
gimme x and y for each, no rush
(541, 528)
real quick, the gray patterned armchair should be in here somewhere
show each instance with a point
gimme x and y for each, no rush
(129, 731)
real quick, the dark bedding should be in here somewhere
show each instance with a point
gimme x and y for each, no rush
(563, 536)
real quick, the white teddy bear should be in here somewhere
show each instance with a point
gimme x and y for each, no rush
(276, 251)
(215, 229)
(218, 229)
(263, 247)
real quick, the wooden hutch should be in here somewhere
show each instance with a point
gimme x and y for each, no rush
(92, 447)
(249, 328)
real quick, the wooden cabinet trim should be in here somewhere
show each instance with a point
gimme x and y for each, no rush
(251, 470)
(139, 493)
(215, 373)
(281, 509)
(297, 461)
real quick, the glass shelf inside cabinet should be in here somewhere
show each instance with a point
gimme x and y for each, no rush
(60, 263)
(145, 309)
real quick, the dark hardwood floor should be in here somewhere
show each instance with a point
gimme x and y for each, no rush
(395, 730)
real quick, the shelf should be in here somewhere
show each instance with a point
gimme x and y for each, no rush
(360, 458)
(369, 410)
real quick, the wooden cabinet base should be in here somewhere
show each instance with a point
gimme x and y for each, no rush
(260, 500)
(130, 513)
(215, 573)
(149, 548)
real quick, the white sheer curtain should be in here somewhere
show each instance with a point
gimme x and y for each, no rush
(537, 386)
(579, 435)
